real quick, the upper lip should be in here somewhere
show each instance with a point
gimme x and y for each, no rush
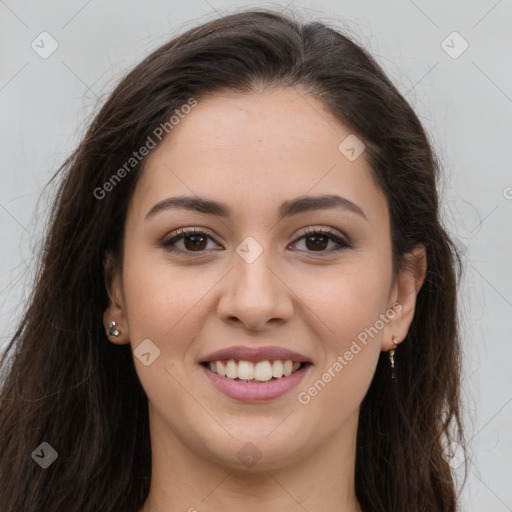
(240, 352)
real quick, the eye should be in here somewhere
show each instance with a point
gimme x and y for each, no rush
(317, 240)
(196, 241)
(193, 240)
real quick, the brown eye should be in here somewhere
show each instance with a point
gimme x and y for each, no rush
(317, 241)
(194, 242)
(191, 240)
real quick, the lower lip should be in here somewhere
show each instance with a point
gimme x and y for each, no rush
(255, 391)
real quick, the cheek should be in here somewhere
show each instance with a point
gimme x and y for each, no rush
(347, 299)
(161, 299)
(166, 305)
(348, 306)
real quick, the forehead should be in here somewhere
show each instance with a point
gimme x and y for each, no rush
(257, 150)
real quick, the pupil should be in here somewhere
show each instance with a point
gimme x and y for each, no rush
(196, 243)
(316, 239)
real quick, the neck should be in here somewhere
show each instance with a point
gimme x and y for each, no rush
(185, 480)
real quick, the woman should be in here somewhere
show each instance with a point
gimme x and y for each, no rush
(246, 296)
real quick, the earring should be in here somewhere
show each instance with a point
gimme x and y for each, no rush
(112, 331)
(391, 357)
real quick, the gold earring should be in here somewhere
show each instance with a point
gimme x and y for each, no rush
(391, 357)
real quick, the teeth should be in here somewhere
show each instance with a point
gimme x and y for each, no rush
(262, 371)
(231, 369)
(246, 370)
(221, 368)
(277, 369)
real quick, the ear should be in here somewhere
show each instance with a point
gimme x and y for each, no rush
(116, 311)
(403, 296)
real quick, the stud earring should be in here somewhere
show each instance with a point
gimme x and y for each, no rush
(392, 358)
(112, 331)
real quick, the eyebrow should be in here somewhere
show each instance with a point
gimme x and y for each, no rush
(287, 208)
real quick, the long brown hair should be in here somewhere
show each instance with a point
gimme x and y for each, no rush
(65, 384)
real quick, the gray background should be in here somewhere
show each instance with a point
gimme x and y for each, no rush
(465, 104)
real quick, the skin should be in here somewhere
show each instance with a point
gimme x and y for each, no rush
(253, 152)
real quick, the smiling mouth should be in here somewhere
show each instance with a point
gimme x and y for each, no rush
(248, 371)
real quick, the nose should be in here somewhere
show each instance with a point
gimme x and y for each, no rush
(255, 295)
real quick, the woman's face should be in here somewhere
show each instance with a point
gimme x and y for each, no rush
(254, 278)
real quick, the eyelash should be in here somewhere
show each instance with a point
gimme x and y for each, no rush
(183, 233)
